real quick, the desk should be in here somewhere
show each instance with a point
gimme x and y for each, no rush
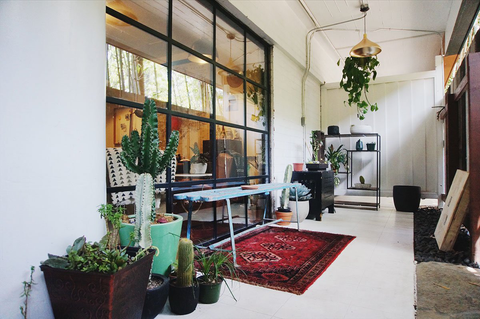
(212, 195)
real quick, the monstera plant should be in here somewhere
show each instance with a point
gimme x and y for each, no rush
(357, 73)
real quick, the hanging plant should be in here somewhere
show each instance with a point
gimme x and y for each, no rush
(356, 76)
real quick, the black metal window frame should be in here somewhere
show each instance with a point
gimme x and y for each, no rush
(212, 121)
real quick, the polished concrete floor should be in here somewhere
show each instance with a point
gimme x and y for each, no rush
(374, 277)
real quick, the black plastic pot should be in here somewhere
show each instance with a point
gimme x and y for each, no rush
(156, 298)
(406, 197)
(209, 293)
(183, 300)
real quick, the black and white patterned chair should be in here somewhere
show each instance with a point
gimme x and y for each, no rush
(119, 175)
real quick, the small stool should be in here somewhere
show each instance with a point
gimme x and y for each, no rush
(406, 197)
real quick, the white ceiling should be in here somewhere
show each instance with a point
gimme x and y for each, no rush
(407, 30)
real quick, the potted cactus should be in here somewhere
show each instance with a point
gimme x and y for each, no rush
(284, 212)
(184, 289)
(303, 194)
(141, 155)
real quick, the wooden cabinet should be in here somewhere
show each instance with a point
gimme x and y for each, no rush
(321, 186)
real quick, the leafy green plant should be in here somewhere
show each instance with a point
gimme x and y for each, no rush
(141, 155)
(357, 73)
(302, 191)
(197, 156)
(113, 220)
(337, 157)
(27, 290)
(255, 93)
(96, 257)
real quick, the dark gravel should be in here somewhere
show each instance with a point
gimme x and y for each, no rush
(426, 249)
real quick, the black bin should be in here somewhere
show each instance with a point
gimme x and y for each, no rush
(406, 197)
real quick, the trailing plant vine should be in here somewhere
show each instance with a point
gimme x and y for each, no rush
(357, 73)
(27, 289)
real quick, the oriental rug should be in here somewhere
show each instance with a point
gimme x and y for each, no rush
(286, 259)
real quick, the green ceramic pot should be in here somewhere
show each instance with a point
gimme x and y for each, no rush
(165, 237)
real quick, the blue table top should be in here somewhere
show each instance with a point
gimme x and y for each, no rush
(211, 195)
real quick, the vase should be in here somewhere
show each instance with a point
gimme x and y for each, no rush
(165, 237)
(198, 168)
(303, 209)
(371, 146)
(359, 145)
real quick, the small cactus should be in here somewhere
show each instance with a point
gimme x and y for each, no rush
(362, 180)
(284, 199)
(185, 269)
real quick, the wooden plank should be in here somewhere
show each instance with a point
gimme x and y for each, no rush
(453, 212)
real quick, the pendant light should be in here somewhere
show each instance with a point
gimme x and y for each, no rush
(365, 48)
(232, 80)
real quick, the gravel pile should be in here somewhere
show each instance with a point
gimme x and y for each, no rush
(426, 249)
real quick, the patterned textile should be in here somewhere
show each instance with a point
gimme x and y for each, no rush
(119, 175)
(286, 259)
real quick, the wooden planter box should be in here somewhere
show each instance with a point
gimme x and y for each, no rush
(76, 294)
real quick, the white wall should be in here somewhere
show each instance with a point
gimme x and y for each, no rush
(52, 138)
(406, 121)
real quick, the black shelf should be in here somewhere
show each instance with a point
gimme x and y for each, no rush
(350, 155)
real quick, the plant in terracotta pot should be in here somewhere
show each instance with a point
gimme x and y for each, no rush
(213, 267)
(198, 162)
(304, 195)
(184, 289)
(283, 211)
(357, 73)
(88, 279)
(141, 155)
(337, 157)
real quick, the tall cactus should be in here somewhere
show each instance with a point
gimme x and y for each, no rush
(142, 156)
(284, 200)
(185, 268)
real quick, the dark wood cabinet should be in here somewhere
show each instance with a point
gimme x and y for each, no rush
(321, 186)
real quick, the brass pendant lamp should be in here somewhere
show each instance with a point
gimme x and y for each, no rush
(365, 48)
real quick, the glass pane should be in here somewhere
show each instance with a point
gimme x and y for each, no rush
(256, 107)
(230, 44)
(152, 13)
(122, 120)
(193, 153)
(230, 153)
(230, 103)
(255, 61)
(191, 85)
(193, 27)
(256, 153)
(136, 65)
(256, 204)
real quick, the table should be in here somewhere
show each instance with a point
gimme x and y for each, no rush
(226, 194)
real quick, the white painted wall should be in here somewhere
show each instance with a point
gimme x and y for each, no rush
(406, 121)
(52, 138)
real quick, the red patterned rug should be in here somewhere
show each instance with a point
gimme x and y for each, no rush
(286, 259)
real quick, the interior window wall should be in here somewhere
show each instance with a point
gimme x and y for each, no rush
(207, 74)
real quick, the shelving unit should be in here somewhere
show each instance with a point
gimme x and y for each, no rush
(351, 154)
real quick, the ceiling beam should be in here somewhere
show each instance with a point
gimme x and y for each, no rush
(466, 15)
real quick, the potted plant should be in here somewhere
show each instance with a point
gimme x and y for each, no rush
(362, 183)
(284, 212)
(316, 143)
(303, 194)
(198, 162)
(184, 289)
(357, 73)
(89, 279)
(336, 157)
(141, 155)
(213, 267)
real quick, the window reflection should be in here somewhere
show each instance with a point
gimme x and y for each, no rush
(229, 155)
(256, 107)
(230, 102)
(256, 154)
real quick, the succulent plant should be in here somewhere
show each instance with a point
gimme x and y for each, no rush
(141, 155)
(284, 199)
(303, 193)
(185, 268)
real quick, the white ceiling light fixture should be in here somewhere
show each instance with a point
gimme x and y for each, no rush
(365, 48)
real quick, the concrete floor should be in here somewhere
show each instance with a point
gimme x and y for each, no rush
(374, 277)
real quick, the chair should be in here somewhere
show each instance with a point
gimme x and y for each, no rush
(119, 175)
